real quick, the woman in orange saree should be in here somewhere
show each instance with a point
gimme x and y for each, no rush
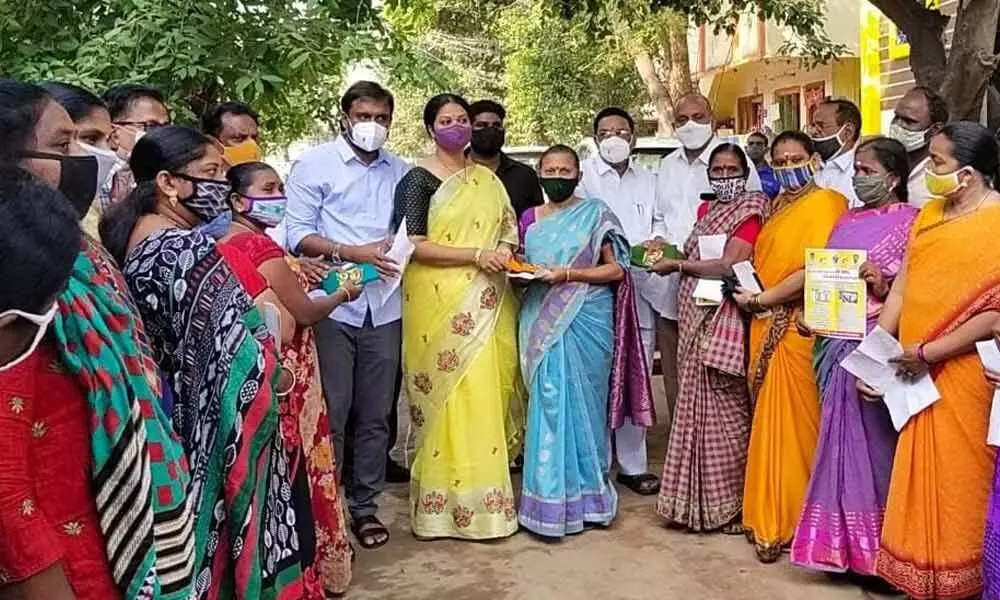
(781, 378)
(946, 297)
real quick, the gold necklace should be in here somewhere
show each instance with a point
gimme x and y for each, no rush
(971, 210)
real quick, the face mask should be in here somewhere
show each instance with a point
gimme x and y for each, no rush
(756, 153)
(210, 198)
(694, 135)
(266, 210)
(944, 185)
(829, 146)
(77, 178)
(871, 189)
(42, 321)
(728, 189)
(614, 150)
(558, 189)
(106, 160)
(245, 152)
(488, 141)
(911, 140)
(454, 137)
(368, 135)
(796, 177)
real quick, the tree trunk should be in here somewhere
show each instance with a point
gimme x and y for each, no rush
(659, 94)
(971, 62)
(962, 74)
(680, 60)
(924, 29)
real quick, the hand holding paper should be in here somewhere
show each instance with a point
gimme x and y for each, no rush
(990, 355)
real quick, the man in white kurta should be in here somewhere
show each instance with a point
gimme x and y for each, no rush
(630, 191)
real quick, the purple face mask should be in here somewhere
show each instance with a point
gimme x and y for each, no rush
(453, 137)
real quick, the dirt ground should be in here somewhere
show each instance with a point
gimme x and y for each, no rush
(636, 558)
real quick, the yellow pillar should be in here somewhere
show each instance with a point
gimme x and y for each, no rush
(871, 70)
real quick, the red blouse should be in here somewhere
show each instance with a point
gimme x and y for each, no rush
(257, 247)
(47, 509)
(253, 282)
(747, 230)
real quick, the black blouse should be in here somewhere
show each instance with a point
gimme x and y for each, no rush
(413, 200)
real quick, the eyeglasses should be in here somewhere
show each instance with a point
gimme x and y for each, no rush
(606, 133)
(143, 125)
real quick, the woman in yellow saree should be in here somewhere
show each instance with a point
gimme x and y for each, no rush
(781, 378)
(460, 360)
(945, 298)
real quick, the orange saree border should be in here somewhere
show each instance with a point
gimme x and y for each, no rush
(926, 580)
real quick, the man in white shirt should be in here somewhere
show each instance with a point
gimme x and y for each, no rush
(630, 191)
(835, 128)
(340, 203)
(920, 114)
(681, 181)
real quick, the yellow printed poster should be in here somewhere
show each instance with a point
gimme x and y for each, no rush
(835, 297)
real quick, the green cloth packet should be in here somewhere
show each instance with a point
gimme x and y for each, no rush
(360, 274)
(643, 257)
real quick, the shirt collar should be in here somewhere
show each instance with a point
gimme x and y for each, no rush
(845, 161)
(346, 153)
(680, 154)
(919, 168)
(603, 167)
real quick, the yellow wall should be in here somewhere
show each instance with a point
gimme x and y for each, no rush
(871, 75)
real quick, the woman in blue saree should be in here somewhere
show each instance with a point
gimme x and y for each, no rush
(581, 355)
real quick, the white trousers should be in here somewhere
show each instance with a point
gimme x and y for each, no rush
(630, 441)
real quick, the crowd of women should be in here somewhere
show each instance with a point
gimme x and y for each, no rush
(164, 440)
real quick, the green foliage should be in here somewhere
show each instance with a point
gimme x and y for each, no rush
(284, 57)
(552, 72)
(804, 18)
(560, 71)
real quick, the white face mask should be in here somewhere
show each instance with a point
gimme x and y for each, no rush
(614, 150)
(368, 135)
(41, 321)
(694, 135)
(106, 160)
(911, 140)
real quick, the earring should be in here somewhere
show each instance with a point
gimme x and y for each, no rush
(172, 198)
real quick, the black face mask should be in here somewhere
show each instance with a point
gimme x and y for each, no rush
(558, 189)
(77, 178)
(488, 141)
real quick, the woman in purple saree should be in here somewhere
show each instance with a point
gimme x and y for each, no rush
(841, 521)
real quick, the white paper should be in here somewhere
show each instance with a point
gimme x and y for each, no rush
(869, 362)
(401, 250)
(272, 319)
(526, 276)
(746, 276)
(990, 355)
(711, 247)
(708, 292)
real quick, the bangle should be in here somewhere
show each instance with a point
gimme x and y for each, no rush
(568, 272)
(755, 304)
(478, 255)
(680, 267)
(920, 354)
(335, 253)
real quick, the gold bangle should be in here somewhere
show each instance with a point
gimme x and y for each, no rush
(478, 257)
(568, 272)
(680, 267)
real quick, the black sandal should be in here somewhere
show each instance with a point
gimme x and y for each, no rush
(646, 484)
(369, 531)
